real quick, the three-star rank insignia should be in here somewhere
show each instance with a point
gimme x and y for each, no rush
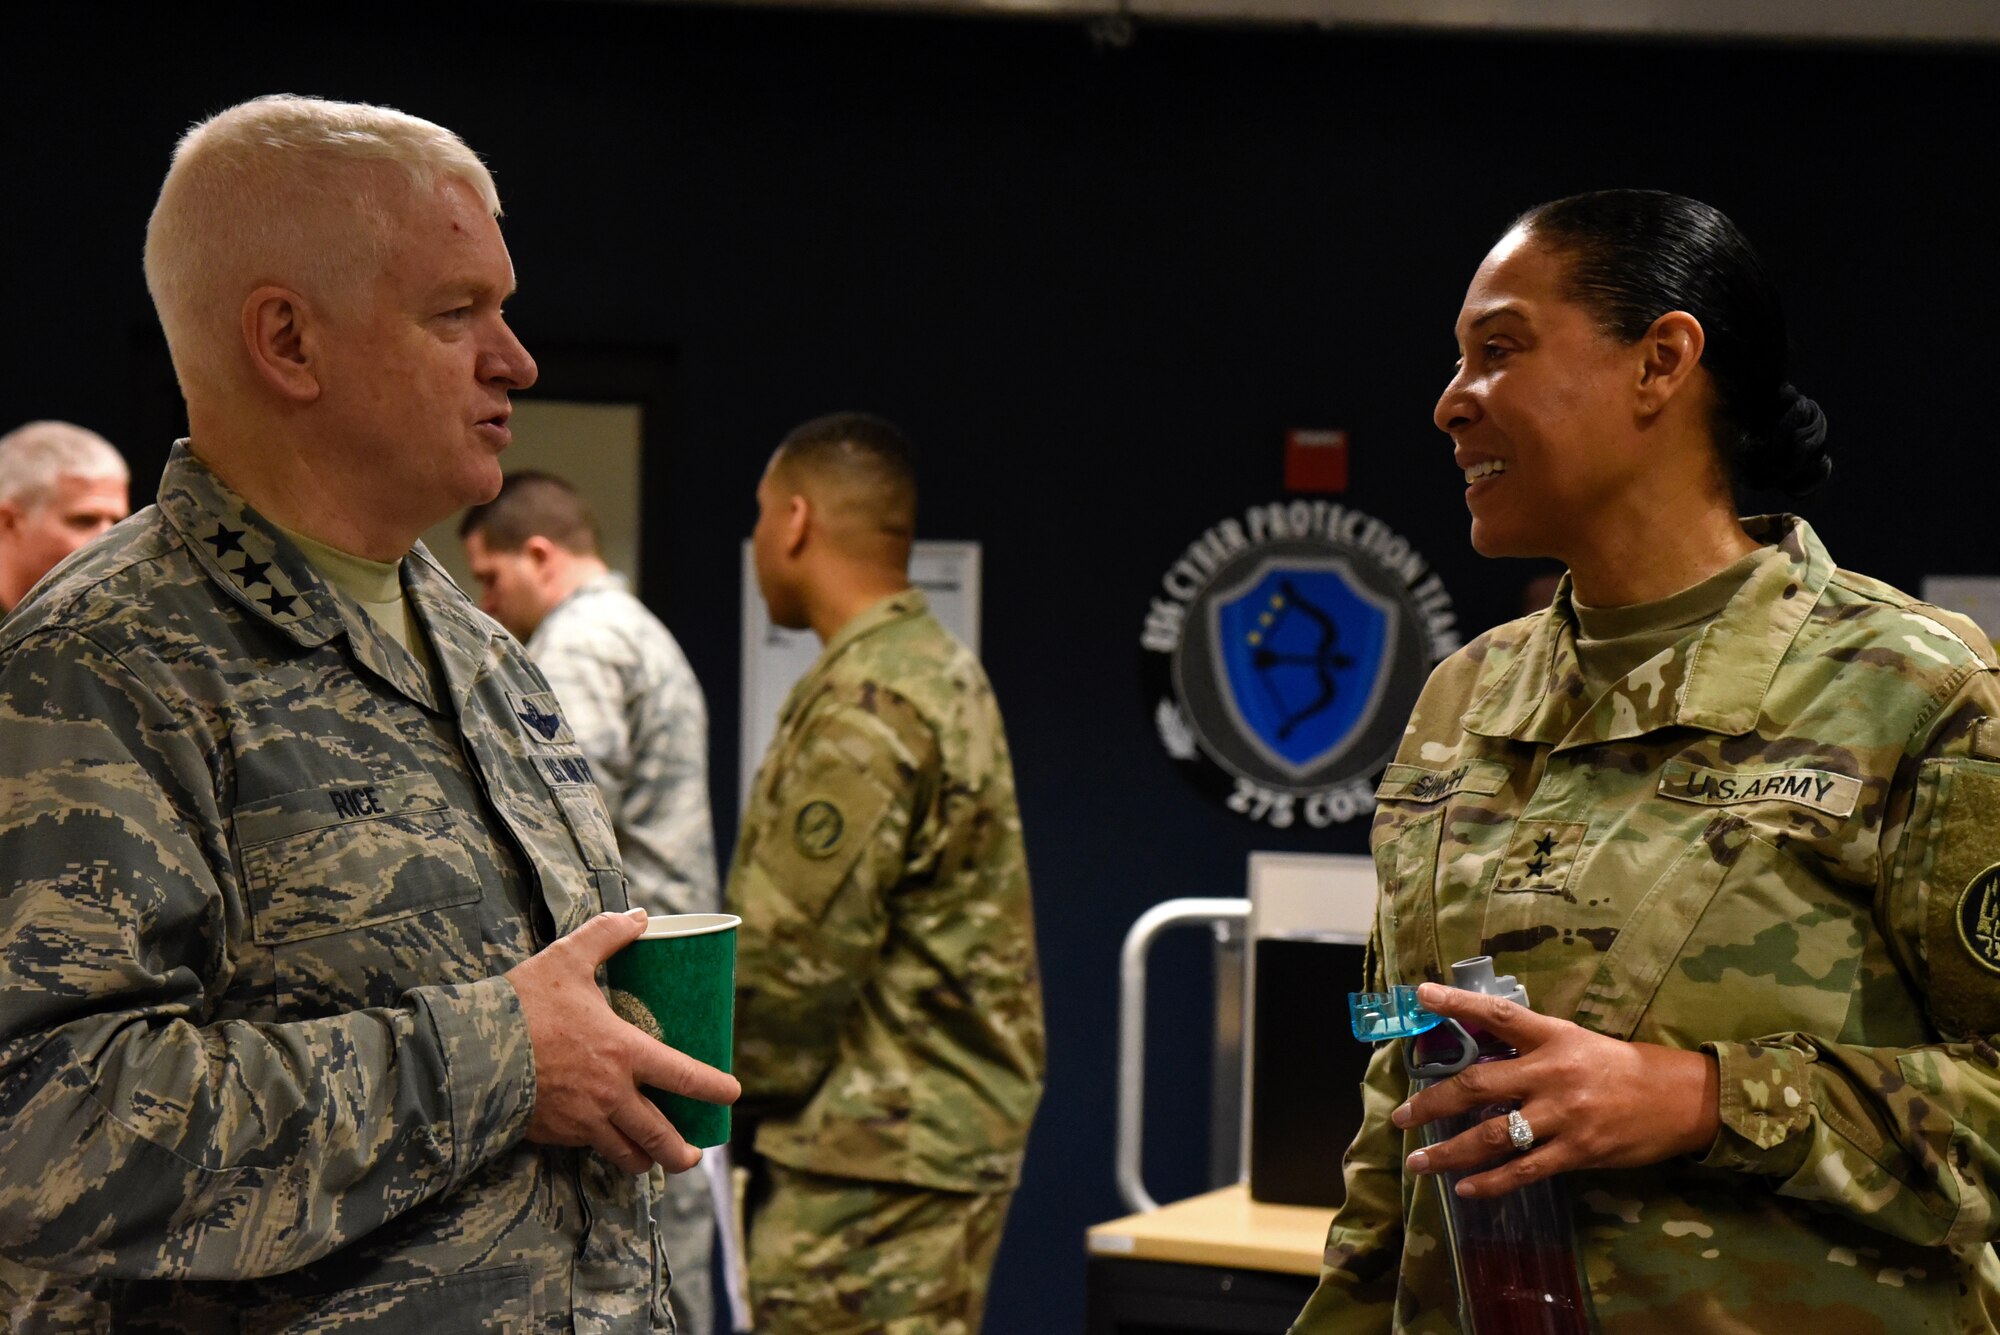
(1979, 918)
(818, 828)
(252, 574)
(1541, 856)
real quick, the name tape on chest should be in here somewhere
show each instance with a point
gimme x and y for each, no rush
(1821, 790)
(1414, 783)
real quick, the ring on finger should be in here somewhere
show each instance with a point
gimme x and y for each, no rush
(1519, 1133)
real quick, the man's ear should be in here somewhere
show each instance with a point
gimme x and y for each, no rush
(279, 333)
(10, 517)
(1671, 353)
(798, 523)
(539, 551)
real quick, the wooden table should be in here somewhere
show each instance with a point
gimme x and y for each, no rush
(1218, 1262)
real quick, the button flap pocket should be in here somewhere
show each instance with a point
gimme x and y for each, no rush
(350, 854)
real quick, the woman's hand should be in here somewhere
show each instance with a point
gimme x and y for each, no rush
(1591, 1101)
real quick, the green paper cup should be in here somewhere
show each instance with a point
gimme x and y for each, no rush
(678, 984)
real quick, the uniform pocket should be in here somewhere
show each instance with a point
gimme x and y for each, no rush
(583, 810)
(1735, 941)
(1406, 855)
(361, 891)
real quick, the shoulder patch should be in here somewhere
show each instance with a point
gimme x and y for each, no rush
(1986, 738)
(818, 828)
(1979, 919)
(1958, 861)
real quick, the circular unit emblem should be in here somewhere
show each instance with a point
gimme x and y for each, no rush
(817, 829)
(1979, 918)
(1283, 653)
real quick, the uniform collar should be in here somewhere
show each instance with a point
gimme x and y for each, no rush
(896, 607)
(258, 567)
(1715, 680)
(608, 582)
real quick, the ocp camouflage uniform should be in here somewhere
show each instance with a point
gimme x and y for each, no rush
(259, 877)
(1760, 843)
(636, 710)
(889, 1015)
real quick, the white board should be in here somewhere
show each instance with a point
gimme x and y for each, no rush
(775, 658)
(1977, 596)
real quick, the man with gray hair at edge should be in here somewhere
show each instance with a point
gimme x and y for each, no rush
(60, 486)
(300, 911)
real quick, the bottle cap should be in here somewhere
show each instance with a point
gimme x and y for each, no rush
(1377, 1017)
(1476, 975)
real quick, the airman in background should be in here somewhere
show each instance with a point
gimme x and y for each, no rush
(60, 486)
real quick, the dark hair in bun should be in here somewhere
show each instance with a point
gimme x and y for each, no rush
(1633, 256)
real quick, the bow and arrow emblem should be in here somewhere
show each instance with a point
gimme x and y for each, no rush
(1323, 657)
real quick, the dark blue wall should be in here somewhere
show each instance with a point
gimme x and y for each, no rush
(1095, 286)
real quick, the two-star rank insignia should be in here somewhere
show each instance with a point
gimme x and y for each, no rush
(1541, 856)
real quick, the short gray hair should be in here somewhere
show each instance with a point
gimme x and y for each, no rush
(287, 190)
(35, 456)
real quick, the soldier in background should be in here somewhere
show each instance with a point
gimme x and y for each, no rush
(60, 486)
(300, 906)
(635, 708)
(889, 1015)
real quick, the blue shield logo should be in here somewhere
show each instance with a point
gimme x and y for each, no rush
(1302, 648)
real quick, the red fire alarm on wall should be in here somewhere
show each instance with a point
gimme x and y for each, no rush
(1315, 460)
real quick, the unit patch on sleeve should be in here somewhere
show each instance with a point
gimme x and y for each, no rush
(1979, 918)
(818, 828)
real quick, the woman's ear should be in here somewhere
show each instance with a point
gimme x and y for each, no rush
(1671, 352)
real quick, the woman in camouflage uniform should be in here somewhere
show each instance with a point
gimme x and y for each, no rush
(1732, 814)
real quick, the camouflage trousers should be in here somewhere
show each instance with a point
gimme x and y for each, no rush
(685, 1209)
(837, 1256)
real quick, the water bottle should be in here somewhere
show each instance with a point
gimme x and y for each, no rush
(1514, 1256)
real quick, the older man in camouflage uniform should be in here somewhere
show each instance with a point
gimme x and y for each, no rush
(1775, 842)
(637, 711)
(889, 1020)
(304, 881)
(60, 487)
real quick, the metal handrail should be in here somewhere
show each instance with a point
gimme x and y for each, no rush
(1132, 1026)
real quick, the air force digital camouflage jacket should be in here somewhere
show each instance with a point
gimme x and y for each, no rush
(1776, 842)
(637, 711)
(259, 876)
(888, 1008)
